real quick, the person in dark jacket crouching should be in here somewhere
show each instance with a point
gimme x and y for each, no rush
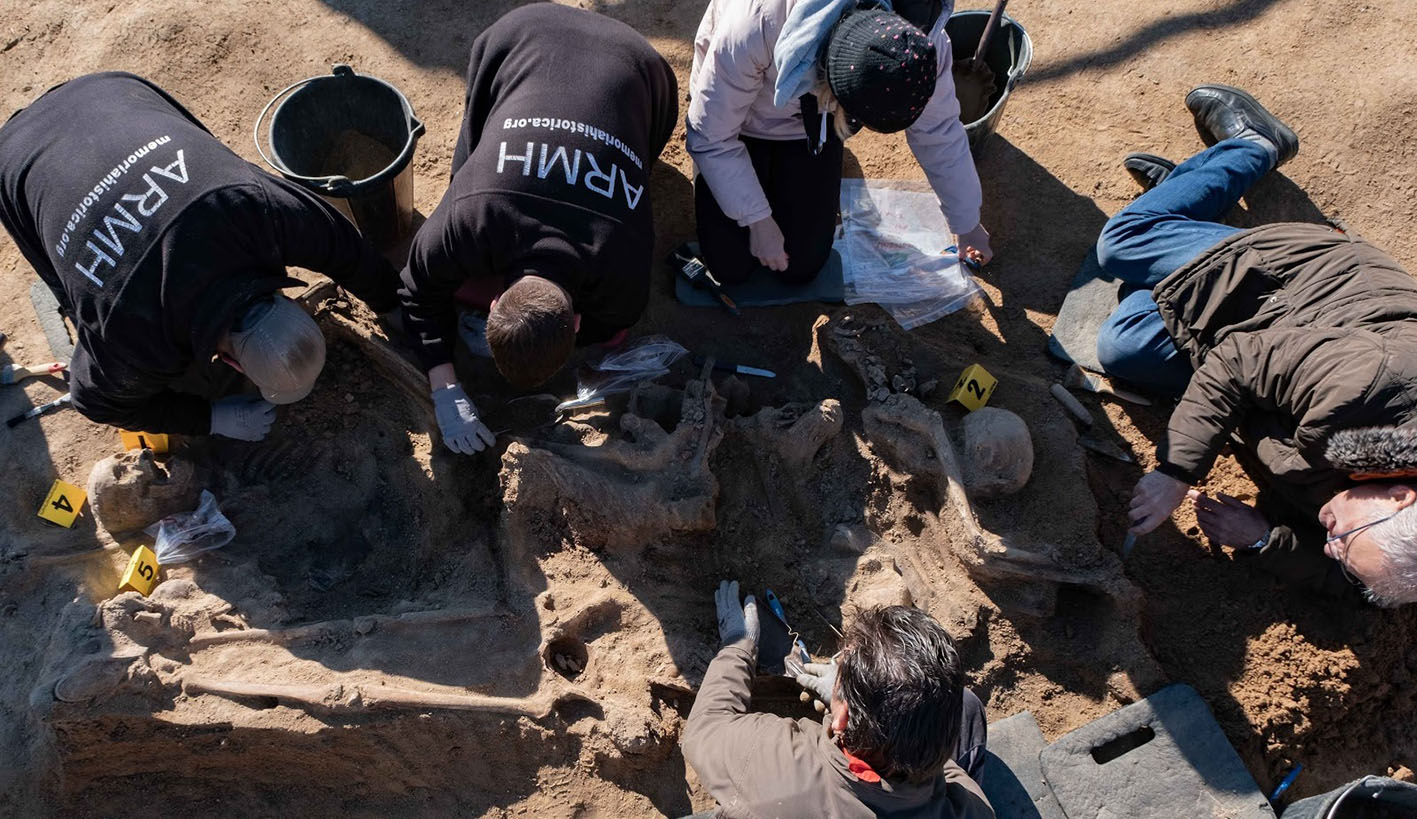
(1275, 338)
(168, 251)
(548, 221)
(902, 735)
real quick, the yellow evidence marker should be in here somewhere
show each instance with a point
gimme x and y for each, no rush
(156, 441)
(61, 506)
(974, 387)
(141, 574)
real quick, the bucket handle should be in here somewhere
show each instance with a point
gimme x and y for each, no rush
(1014, 74)
(336, 185)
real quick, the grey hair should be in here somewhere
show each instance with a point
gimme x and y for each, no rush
(1397, 539)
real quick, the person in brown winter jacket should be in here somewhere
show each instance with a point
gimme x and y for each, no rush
(1276, 339)
(901, 738)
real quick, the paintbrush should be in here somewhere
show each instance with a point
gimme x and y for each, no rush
(13, 373)
(58, 403)
(1078, 377)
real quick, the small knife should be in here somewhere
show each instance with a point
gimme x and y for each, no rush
(741, 369)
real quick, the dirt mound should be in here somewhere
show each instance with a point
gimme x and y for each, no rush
(396, 629)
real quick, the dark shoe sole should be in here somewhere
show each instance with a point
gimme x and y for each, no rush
(1149, 170)
(1284, 137)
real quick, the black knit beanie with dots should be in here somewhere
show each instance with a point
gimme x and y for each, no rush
(881, 69)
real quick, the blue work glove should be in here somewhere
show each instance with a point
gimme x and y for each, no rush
(462, 430)
(735, 622)
(243, 417)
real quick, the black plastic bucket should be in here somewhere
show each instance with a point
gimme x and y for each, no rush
(349, 138)
(1009, 55)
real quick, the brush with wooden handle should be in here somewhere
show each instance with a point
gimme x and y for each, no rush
(14, 373)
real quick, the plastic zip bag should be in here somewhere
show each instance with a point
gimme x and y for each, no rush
(895, 252)
(183, 536)
(645, 358)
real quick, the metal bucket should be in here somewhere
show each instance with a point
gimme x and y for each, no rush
(350, 139)
(1009, 55)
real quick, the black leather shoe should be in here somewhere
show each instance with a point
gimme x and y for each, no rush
(1149, 170)
(1223, 112)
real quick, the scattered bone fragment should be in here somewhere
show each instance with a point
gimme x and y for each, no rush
(337, 697)
(624, 494)
(796, 432)
(1071, 404)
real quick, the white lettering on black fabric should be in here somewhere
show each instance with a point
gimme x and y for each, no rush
(94, 196)
(106, 245)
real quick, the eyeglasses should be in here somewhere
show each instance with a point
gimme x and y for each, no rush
(1343, 539)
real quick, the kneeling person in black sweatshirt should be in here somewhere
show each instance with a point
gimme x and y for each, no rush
(548, 214)
(168, 251)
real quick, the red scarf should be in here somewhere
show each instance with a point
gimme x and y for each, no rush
(862, 770)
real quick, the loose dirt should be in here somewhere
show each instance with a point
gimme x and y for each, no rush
(399, 629)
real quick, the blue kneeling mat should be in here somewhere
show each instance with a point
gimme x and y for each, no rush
(763, 289)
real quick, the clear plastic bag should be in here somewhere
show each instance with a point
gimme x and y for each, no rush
(896, 252)
(645, 358)
(183, 536)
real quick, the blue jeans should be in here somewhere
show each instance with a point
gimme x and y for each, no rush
(1155, 236)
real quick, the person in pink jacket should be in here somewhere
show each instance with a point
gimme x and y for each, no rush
(768, 163)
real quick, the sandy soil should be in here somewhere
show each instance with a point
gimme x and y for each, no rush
(426, 677)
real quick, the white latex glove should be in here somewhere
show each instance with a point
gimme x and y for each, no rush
(462, 430)
(243, 417)
(974, 245)
(767, 244)
(736, 622)
(1157, 495)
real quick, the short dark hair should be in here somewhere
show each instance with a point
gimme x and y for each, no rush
(900, 676)
(531, 331)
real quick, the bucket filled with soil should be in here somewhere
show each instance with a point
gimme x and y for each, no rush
(1007, 57)
(350, 138)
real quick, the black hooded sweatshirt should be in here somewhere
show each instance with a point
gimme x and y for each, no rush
(566, 112)
(155, 237)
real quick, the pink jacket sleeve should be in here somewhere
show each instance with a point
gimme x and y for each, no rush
(940, 145)
(729, 79)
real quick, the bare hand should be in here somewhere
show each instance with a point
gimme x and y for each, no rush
(1157, 495)
(766, 243)
(974, 245)
(1229, 521)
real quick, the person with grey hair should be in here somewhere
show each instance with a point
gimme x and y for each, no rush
(1276, 340)
(902, 736)
(168, 252)
(1372, 525)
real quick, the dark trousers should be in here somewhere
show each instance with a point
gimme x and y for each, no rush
(804, 192)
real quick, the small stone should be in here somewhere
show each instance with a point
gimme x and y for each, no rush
(563, 663)
(348, 397)
(364, 625)
(1402, 773)
(928, 388)
(851, 537)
